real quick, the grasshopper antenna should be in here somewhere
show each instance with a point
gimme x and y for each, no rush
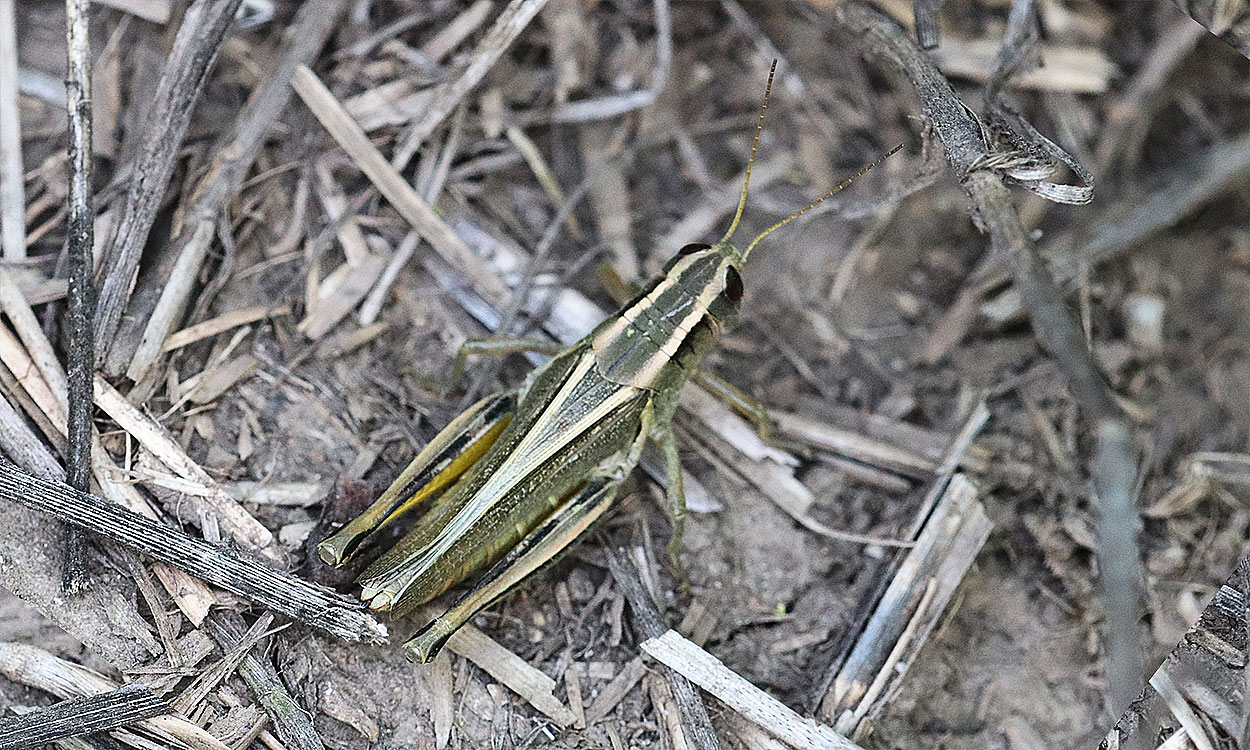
(814, 203)
(746, 182)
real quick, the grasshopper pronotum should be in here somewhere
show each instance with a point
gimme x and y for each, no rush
(521, 474)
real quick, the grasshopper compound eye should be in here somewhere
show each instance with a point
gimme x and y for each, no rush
(733, 285)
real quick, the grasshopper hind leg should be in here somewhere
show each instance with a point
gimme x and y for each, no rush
(535, 550)
(564, 525)
(443, 460)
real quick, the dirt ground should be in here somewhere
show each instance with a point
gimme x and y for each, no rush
(847, 319)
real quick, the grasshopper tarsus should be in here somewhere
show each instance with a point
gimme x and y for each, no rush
(429, 640)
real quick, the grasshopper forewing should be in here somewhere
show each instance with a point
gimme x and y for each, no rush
(519, 475)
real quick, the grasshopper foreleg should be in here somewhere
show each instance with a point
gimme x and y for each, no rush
(499, 346)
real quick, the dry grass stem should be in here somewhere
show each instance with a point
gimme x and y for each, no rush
(80, 294)
(12, 188)
(510, 22)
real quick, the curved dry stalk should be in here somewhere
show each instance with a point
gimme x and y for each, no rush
(1114, 468)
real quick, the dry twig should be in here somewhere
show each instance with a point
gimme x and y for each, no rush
(204, 26)
(312, 26)
(80, 297)
(79, 716)
(268, 587)
(910, 608)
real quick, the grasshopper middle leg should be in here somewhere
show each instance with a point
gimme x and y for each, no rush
(499, 346)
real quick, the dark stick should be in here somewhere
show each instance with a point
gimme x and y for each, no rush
(1244, 569)
(1114, 475)
(1115, 465)
(1211, 13)
(291, 721)
(650, 624)
(303, 601)
(80, 302)
(203, 28)
(313, 24)
(78, 716)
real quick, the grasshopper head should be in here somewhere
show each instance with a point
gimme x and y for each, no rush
(715, 271)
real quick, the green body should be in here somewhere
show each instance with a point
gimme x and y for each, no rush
(517, 477)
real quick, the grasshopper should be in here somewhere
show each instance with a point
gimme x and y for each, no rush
(519, 475)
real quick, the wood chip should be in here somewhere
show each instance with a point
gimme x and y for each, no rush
(221, 324)
(616, 690)
(573, 688)
(221, 377)
(706, 671)
(349, 283)
(513, 672)
(341, 703)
